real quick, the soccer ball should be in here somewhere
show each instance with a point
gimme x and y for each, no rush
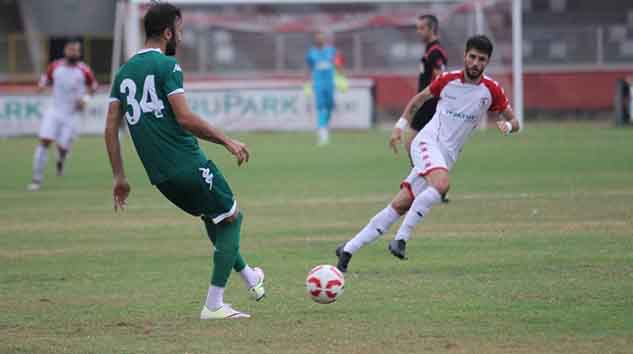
(325, 284)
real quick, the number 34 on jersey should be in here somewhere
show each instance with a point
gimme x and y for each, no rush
(150, 103)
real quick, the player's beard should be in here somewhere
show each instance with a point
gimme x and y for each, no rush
(72, 60)
(473, 73)
(170, 48)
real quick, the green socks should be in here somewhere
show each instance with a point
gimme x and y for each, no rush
(226, 239)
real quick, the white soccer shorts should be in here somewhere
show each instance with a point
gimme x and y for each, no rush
(62, 129)
(427, 155)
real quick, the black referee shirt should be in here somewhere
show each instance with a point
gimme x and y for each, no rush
(434, 57)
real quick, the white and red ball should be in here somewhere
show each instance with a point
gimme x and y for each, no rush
(325, 283)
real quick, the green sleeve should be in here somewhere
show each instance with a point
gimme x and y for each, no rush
(173, 79)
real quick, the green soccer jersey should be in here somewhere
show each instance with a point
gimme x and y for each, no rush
(142, 86)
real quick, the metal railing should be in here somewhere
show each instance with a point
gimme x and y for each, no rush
(391, 50)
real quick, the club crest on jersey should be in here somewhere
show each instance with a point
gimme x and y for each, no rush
(323, 65)
(177, 68)
(485, 102)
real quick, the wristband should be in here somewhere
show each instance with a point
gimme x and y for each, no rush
(509, 125)
(402, 123)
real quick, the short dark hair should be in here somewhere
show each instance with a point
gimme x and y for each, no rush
(432, 20)
(73, 40)
(481, 43)
(159, 17)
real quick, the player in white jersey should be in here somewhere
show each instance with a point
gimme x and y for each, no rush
(71, 81)
(465, 98)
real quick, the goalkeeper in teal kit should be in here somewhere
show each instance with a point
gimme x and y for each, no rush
(323, 60)
(148, 93)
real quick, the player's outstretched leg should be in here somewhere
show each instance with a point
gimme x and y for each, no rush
(377, 226)
(225, 237)
(61, 158)
(323, 132)
(419, 209)
(39, 163)
(253, 278)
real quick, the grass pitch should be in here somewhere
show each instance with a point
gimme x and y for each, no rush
(534, 254)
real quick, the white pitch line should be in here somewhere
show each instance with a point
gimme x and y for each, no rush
(319, 201)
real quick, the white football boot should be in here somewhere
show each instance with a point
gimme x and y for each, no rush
(323, 137)
(257, 291)
(226, 312)
(34, 186)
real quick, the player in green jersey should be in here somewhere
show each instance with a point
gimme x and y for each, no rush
(148, 92)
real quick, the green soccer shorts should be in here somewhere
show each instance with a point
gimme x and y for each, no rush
(201, 191)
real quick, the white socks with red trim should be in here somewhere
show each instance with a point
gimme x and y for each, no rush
(420, 207)
(39, 162)
(378, 225)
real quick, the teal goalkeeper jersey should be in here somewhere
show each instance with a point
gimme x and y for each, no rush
(142, 86)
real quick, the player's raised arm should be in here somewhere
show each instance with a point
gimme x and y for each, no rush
(339, 63)
(203, 130)
(121, 188)
(509, 123)
(47, 78)
(414, 104)
(500, 104)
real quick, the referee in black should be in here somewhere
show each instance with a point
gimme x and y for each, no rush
(432, 64)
